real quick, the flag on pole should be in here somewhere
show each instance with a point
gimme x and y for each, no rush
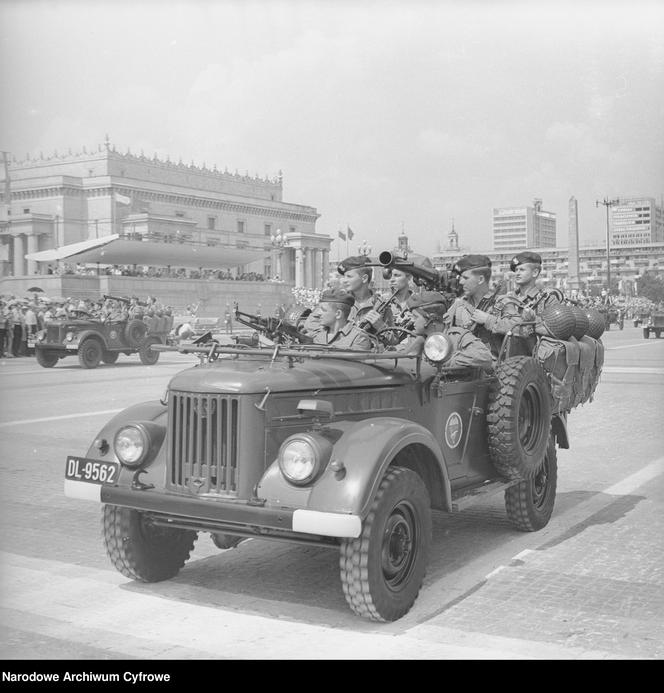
(350, 234)
(342, 235)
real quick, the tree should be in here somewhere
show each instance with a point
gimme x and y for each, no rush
(651, 286)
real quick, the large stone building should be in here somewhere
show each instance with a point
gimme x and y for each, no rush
(636, 221)
(55, 201)
(516, 228)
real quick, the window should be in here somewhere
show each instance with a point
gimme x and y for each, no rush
(180, 215)
(267, 229)
(26, 210)
(212, 221)
(291, 229)
(240, 227)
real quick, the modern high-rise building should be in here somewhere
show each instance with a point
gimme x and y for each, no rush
(516, 228)
(636, 221)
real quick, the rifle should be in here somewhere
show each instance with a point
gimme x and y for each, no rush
(122, 299)
(276, 329)
(486, 302)
(380, 308)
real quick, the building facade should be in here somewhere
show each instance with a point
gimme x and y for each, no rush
(50, 202)
(636, 221)
(627, 263)
(516, 228)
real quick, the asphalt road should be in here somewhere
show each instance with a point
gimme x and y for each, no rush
(588, 586)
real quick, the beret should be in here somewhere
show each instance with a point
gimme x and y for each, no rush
(468, 262)
(337, 296)
(428, 301)
(525, 256)
(352, 262)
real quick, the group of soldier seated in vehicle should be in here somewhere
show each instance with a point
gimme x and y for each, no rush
(352, 316)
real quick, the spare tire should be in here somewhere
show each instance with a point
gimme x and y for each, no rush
(135, 332)
(519, 417)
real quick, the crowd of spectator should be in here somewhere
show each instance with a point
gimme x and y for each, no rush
(154, 272)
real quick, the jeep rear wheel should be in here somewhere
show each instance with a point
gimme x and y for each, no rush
(135, 332)
(519, 418)
(47, 359)
(529, 504)
(90, 353)
(143, 551)
(383, 569)
(147, 355)
(110, 357)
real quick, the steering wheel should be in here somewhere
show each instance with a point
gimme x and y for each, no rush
(410, 333)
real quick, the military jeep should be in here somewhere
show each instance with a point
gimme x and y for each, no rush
(655, 324)
(96, 341)
(348, 450)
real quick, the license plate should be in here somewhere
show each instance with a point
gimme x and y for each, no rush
(71, 346)
(31, 342)
(92, 471)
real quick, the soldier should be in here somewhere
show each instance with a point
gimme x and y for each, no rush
(501, 314)
(400, 282)
(527, 267)
(428, 309)
(336, 328)
(357, 275)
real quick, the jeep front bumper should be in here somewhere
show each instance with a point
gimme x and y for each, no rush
(230, 514)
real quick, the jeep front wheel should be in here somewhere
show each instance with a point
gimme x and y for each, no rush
(90, 353)
(383, 569)
(147, 354)
(529, 504)
(143, 551)
(519, 417)
(47, 359)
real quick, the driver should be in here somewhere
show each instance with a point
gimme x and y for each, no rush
(335, 327)
(429, 309)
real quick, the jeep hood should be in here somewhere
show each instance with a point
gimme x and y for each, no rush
(253, 376)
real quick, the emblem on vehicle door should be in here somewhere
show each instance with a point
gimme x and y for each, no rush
(453, 430)
(113, 334)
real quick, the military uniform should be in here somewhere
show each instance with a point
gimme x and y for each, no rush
(503, 312)
(348, 337)
(469, 350)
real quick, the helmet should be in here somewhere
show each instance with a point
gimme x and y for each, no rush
(581, 322)
(596, 323)
(559, 320)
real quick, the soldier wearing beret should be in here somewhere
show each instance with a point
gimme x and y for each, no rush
(527, 267)
(501, 313)
(335, 328)
(357, 275)
(429, 310)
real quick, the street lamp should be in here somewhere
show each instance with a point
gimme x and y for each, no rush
(607, 203)
(364, 249)
(278, 240)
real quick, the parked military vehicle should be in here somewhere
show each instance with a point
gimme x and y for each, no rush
(95, 341)
(654, 324)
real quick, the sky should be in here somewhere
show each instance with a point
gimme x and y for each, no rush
(384, 116)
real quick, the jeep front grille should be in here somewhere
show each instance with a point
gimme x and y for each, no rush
(202, 442)
(53, 333)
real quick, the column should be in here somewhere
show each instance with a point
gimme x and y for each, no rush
(307, 268)
(19, 260)
(325, 265)
(315, 269)
(299, 269)
(32, 248)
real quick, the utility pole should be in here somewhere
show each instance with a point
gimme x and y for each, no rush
(607, 203)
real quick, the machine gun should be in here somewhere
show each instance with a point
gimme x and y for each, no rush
(431, 279)
(122, 299)
(486, 302)
(380, 308)
(276, 329)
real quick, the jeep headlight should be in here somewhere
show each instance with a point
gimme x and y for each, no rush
(41, 335)
(437, 348)
(131, 445)
(69, 336)
(302, 457)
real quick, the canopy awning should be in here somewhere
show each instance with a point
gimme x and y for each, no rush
(114, 250)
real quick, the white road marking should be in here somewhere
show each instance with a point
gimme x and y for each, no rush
(636, 480)
(631, 346)
(7, 424)
(632, 369)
